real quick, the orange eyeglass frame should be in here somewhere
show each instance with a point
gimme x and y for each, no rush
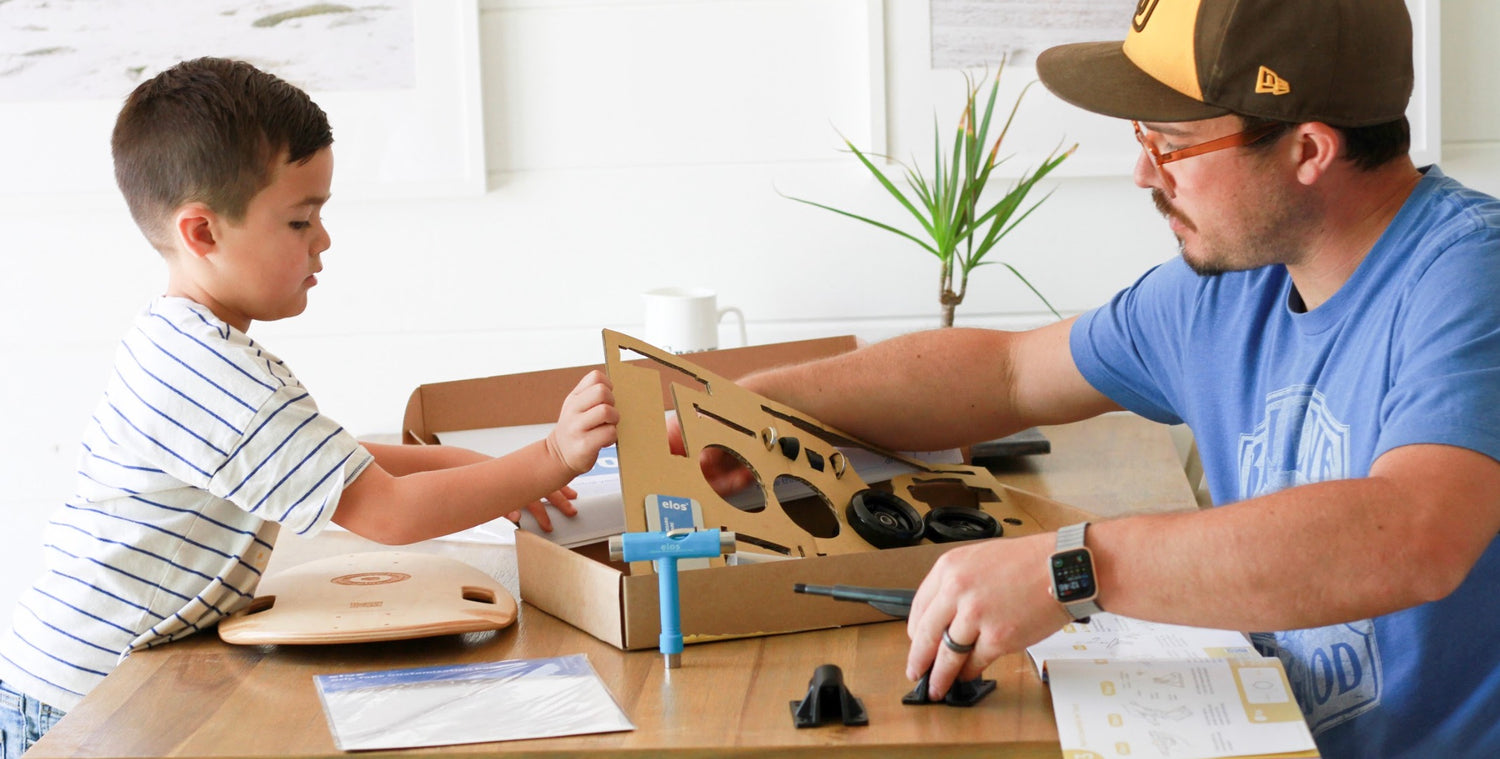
(1238, 139)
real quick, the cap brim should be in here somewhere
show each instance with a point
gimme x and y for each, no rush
(1096, 76)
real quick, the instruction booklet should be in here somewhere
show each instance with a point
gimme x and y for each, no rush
(1131, 689)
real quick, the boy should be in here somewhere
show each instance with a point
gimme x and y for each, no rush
(206, 445)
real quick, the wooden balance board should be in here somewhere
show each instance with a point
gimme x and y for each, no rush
(361, 597)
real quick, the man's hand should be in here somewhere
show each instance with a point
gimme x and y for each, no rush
(725, 473)
(995, 595)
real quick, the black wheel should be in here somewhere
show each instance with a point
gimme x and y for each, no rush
(884, 520)
(949, 524)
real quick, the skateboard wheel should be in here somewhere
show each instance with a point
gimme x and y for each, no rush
(884, 520)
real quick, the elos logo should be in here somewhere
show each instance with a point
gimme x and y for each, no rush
(1143, 11)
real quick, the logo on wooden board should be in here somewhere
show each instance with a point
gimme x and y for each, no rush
(371, 578)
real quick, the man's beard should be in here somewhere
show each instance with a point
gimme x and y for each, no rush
(1271, 243)
(1164, 207)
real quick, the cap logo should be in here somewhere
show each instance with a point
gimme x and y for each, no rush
(1143, 10)
(1161, 43)
(1267, 82)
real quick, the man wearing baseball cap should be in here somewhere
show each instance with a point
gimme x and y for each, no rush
(1331, 335)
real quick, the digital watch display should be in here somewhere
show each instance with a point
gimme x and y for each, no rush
(1073, 580)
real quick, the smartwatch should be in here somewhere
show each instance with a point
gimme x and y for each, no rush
(1073, 579)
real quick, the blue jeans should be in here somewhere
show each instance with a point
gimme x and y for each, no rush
(23, 721)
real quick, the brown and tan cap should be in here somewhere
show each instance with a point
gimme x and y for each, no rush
(1342, 62)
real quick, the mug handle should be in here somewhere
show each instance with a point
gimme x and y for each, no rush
(741, 316)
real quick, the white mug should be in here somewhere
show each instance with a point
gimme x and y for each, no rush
(686, 319)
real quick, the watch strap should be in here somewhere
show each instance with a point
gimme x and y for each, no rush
(1071, 537)
(1083, 610)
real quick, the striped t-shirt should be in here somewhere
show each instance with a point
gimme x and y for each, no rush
(202, 448)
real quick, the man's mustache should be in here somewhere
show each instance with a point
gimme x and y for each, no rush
(1164, 207)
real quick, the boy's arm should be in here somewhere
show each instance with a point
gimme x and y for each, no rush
(401, 460)
(395, 510)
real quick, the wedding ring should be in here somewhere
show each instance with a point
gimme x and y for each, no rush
(955, 647)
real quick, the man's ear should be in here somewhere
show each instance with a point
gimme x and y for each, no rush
(195, 227)
(1318, 146)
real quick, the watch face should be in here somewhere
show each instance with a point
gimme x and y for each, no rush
(1073, 575)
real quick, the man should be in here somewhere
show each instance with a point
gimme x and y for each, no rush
(1331, 334)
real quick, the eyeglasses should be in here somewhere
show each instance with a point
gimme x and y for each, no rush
(1235, 140)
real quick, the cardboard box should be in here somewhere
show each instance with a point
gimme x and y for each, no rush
(535, 397)
(616, 602)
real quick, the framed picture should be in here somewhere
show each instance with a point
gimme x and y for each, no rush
(932, 44)
(399, 81)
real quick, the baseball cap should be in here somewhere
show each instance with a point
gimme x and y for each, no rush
(1345, 63)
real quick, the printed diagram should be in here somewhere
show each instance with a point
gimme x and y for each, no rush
(1169, 679)
(1157, 716)
(1167, 744)
(1108, 643)
(1177, 708)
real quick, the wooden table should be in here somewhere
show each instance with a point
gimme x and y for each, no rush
(203, 698)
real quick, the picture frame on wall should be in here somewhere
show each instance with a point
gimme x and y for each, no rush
(399, 82)
(923, 82)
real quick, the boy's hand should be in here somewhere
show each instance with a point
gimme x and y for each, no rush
(725, 473)
(561, 499)
(586, 424)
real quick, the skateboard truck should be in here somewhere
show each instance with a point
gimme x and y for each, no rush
(897, 603)
(961, 693)
(827, 700)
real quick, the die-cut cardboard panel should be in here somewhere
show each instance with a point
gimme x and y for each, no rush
(775, 442)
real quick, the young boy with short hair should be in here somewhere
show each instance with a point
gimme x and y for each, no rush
(205, 445)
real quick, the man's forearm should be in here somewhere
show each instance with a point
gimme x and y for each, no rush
(923, 391)
(1307, 556)
(941, 388)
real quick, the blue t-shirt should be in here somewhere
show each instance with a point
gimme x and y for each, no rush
(1406, 352)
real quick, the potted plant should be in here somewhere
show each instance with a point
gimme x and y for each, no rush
(956, 227)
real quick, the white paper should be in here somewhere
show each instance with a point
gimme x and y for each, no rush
(1111, 636)
(468, 703)
(1170, 709)
(1133, 689)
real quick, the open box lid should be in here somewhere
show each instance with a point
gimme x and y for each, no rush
(535, 397)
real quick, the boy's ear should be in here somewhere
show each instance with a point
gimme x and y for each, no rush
(195, 227)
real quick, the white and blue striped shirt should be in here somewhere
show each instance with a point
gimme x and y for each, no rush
(202, 448)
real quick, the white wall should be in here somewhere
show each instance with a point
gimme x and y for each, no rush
(631, 145)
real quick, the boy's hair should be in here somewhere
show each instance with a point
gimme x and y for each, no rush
(208, 130)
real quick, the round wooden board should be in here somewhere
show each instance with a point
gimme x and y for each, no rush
(384, 595)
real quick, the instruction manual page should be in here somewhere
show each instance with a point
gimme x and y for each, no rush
(1111, 636)
(1176, 709)
(1132, 689)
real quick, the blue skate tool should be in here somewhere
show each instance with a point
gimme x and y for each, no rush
(663, 549)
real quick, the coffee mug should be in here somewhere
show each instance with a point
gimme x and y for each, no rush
(686, 319)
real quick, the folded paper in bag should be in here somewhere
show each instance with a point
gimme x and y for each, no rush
(468, 703)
